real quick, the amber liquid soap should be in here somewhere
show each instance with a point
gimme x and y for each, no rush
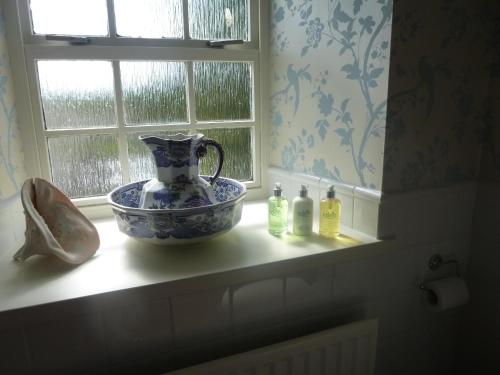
(329, 215)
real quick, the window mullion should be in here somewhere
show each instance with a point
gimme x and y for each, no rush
(191, 96)
(189, 65)
(120, 118)
(111, 19)
(79, 131)
(185, 17)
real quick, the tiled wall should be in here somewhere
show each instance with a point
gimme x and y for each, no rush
(480, 340)
(11, 224)
(157, 328)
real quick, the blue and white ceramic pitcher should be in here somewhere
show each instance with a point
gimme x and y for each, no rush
(178, 184)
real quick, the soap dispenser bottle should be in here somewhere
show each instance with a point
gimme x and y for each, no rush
(329, 215)
(302, 213)
(277, 212)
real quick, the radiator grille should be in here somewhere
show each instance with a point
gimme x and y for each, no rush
(345, 350)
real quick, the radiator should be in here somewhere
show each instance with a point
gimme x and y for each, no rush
(345, 350)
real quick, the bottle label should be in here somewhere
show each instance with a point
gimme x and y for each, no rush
(329, 215)
(275, 211)
(304, 213)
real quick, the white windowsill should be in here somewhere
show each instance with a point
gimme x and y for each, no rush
(123, 263)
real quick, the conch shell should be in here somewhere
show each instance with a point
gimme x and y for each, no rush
(54, 225)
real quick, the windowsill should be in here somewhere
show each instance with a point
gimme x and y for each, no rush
(123, 263)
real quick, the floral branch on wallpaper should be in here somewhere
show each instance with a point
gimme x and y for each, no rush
(343, 31)
(9, 114)
(435, 71)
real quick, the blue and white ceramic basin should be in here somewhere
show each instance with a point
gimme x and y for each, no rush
(164, 226)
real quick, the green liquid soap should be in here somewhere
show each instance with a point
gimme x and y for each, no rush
(277, 212)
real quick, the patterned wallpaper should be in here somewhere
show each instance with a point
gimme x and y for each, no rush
(442, 63)
(490, 161)
(11, 157)
(330, 67)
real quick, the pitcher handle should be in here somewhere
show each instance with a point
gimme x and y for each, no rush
(218, 148)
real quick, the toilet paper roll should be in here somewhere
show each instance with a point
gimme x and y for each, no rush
(446, 294)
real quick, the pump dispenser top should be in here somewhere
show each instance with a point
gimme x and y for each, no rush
(303, 191)
(277, 190)
(331, 192)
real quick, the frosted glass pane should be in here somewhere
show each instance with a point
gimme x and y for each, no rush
(218, 19)
(70, 17)
(149, 19)
(223, 90)
(77, 94)
(86, 165)
(237, 155)
(237, 146)
(154, 92)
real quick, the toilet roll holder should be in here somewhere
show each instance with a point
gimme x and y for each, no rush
(435, 262)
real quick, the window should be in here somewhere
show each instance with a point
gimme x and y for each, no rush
(102, 72)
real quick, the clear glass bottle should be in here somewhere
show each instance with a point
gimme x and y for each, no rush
(329, 215)
(277, 212)
(302, 213)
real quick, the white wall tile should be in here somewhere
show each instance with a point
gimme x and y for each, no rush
(487, 210)
(394, 312)
(365, 216)
(480, 338)
(482, 313)
(138, 329)
(258, 302)
(359, 205)
(402, 354)
(201, 316)
(427, 216)
(352, 281)
(12, 225)
(449, 250)
(309, 290)
(439, 212)
(400, 217)
(13, 349)
(70, 344)
(393, 272)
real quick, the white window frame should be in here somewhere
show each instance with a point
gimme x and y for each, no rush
(25, 49)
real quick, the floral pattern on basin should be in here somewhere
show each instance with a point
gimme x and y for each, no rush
(178, 226)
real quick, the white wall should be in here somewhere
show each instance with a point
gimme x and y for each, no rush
(480, 336)
(156, 328)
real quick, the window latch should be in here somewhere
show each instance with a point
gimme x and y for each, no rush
(73, 40)
(223, 42)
